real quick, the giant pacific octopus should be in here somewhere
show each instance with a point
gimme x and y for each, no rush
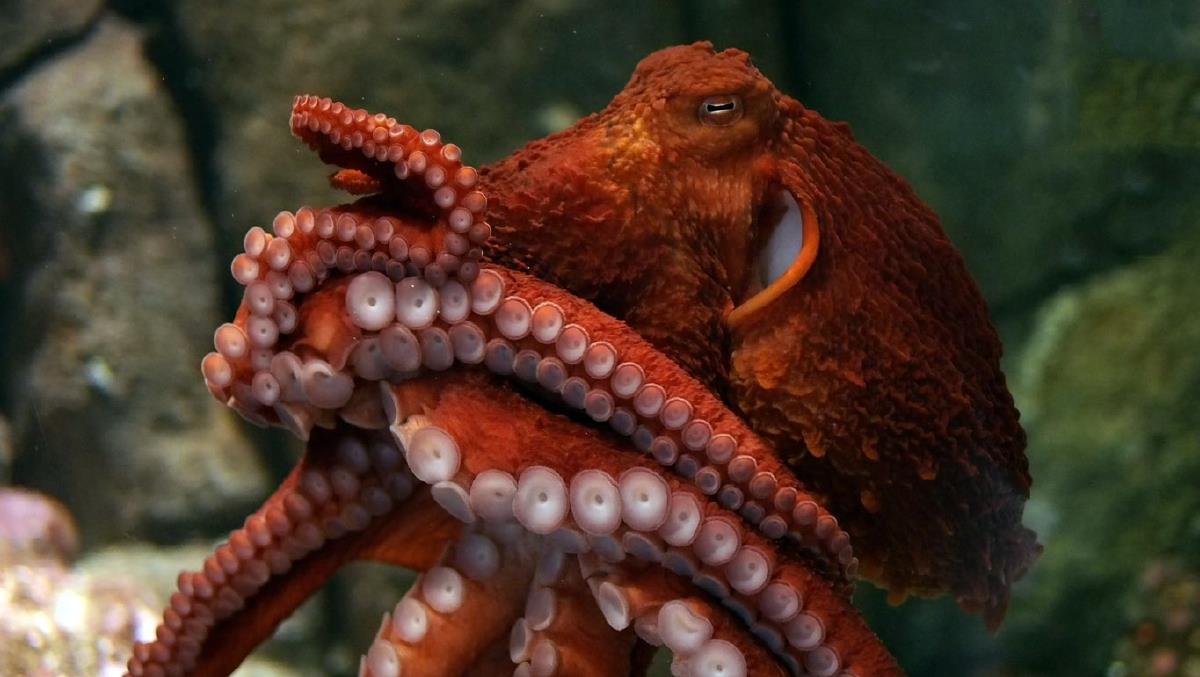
(640, 384)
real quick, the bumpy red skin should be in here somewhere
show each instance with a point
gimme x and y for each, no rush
(644, 211)
(877, 376)
(904, 419)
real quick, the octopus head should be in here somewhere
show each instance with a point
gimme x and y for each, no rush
(662, 196)
(781, 263)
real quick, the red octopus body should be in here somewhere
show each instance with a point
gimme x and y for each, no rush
(570, 391)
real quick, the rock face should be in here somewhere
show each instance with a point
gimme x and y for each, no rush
(1166, 637)
(55, 622)
(82, 621)
(1032, 151)
(488, 76)
(301, 640)
(29, 25)
(1109, 384)
(33, 525)
(6, 451)
(118, 298)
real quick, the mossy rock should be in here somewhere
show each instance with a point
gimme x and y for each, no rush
(1108, 385)
(1129, 104)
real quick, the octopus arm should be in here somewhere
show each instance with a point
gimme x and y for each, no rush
(286, 550)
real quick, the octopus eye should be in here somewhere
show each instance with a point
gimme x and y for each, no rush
(786, 256)
(721, 110)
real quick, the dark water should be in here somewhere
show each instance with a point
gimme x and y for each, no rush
(1059, 141)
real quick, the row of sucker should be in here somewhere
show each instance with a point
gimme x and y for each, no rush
(441, 590)
(366, 480)
(308, 248)
(477, 556)
(688, 635)
(546, 639)
(410, 325)
(421, 157)
(604, 519)
(534, 653)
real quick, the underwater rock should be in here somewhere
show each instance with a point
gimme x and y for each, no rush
(1003, 137)
(1166, 637)
(54, 621)
(1108, 387)
(115, 297)
(57, 623)
(34, 526)
(60, 621)
(30, 25)
(489, 76)
(301, 639)
(6, 451)
(1134, 104)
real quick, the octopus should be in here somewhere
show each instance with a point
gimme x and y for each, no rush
(639, 385)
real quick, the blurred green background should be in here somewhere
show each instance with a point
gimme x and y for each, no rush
(1059, 140)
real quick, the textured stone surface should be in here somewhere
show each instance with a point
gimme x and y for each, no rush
(1109, 385)
(33, 525)
(1137, 104)
(82, 621)
(56, 622)
(1166, 635)
(489, 76)
(6, 451)
(1027, 148)
(114, 300)
(29, 25)
(300, 641)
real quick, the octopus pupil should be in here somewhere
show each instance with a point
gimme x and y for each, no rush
(714, 107)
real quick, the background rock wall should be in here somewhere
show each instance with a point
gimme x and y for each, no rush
(1060, 142)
